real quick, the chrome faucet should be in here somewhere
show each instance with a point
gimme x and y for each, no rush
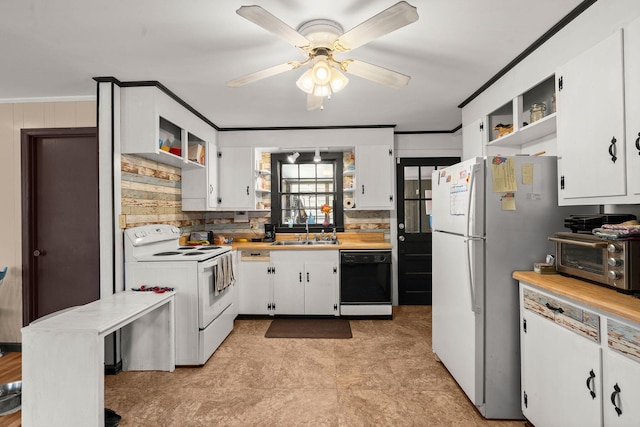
(306, 227)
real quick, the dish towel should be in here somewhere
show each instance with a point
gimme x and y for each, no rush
(224, 273)
(627, 229)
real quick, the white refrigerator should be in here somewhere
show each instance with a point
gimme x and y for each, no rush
(491, 216)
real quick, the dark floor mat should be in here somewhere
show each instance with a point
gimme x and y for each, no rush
(309, 328)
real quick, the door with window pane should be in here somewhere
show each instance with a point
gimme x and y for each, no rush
(414, 227)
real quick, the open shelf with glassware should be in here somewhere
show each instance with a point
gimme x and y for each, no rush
(530, 116)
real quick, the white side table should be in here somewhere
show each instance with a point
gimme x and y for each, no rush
(63, 356)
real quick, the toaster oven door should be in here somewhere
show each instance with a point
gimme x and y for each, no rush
(587, 260)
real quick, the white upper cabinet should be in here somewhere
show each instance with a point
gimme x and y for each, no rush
(374, 177)
(200, 186)
(236, 178)
(591, 149)
(157, 127)
(473, 139)
(632, 105)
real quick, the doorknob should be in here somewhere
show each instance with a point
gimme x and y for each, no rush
(38, 253)
(401, 226)
(401, 238)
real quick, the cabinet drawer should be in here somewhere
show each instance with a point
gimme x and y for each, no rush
(580, 321)
(624, 339)
(248, 255)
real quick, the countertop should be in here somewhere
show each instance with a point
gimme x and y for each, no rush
(346, 240)
(599, 297)
(339, 246)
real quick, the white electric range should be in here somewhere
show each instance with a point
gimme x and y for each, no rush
(203, 278)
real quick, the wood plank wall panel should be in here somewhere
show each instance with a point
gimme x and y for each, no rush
(152, 194)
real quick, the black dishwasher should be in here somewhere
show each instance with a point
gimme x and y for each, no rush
(365, 283)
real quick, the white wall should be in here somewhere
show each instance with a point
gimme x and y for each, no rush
(428, 145)
(13, 118)
(599, 21)
(276, 140)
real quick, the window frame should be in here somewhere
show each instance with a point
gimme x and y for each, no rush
(277, 160)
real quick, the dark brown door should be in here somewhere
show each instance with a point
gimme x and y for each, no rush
(60, 255)
(414, 227)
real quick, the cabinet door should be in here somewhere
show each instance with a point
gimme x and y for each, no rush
(255, 292)
(374, 177)
(321, 283)
(560, 369)
(473, 140)
(621, 390)
(590, 121)
(621, 365)
(200, 186)
(632, 104)
(236, 178)
(288, 288)
(212, 189)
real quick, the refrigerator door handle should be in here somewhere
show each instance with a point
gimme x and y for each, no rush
(472, 180)
(472, 293)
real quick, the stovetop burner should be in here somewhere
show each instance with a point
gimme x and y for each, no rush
(192, 253)
(167, 253)
(208, 248)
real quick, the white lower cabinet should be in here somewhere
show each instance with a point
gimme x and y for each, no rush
(621, 366)
(571, 374)
(301, 282)
(255, 288)
(556, 384)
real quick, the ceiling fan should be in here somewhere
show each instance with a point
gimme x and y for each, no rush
(320, 39)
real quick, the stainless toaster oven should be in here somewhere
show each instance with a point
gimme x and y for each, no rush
(614, 263)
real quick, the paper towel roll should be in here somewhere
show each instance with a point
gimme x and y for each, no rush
(348, 203)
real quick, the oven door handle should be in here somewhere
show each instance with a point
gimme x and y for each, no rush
(579, 243)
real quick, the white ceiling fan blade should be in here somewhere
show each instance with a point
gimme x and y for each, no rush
(266, 20)
(397, 16)
(314, 102)
(375, 73)
(262, 74)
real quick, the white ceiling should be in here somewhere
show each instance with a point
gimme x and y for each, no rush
(55, 48)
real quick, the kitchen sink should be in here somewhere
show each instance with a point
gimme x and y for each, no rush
(304, 242)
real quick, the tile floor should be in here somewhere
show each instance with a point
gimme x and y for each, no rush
(386, 375)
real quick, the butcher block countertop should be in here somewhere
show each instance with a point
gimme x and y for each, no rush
(599, 297)
(346, 240)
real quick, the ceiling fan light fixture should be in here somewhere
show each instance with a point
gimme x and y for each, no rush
(322, 90)
(317, 158)
(338, 80)
(305, 82)
(321, 72)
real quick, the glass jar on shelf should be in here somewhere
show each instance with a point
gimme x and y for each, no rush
(536, 112)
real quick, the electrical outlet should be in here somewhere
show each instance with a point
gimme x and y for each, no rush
(122, 221)
(253, 225)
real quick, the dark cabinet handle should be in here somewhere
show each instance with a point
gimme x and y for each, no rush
(248, 189)
(300, 277)
(362, 188)
(616, 391)
(638, 143)
(591, 380)
(307, 277)
(612, 149)
(555, 309)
